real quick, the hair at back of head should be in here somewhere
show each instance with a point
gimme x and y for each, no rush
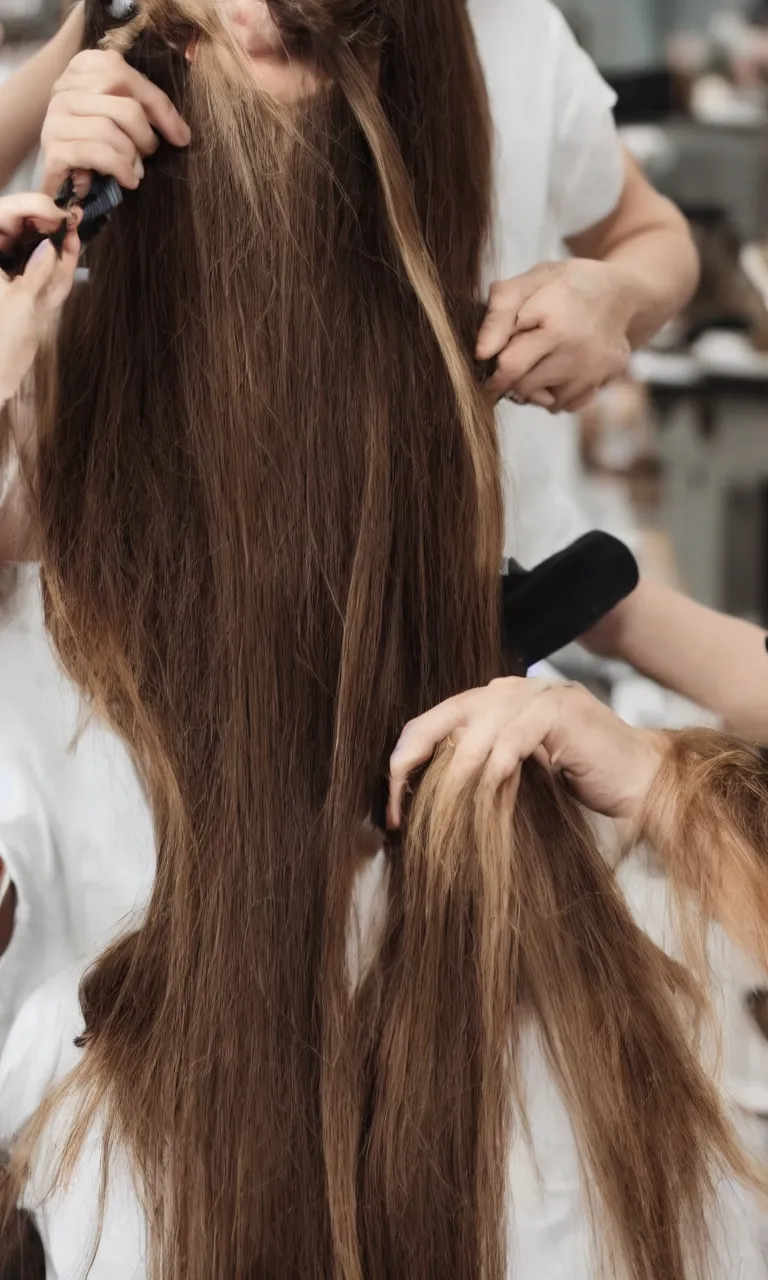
(271, 521)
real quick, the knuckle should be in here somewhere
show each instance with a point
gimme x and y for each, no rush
(135, 116)
(575, 695)
(470, 753)
(113, 60)
(560, 333)
(539, 685)
(508, 364)
(82, 61)
(504, 758)
(531, 383)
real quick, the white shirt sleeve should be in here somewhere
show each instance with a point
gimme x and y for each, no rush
(41, 942)
(587, 162)
(38, 1054)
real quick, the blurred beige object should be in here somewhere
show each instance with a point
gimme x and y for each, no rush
(754, 264)
(687, 53)
(617, 429)
(728, 292)
(714, 100)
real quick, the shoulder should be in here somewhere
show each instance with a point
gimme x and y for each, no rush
(523, 46)
(535, 23)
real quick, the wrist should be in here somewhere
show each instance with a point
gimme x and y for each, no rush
(632, 298)
(622, 293)
(655, 817)
(652, 746)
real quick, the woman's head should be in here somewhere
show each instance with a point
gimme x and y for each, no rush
(285, 69)
(269, 496)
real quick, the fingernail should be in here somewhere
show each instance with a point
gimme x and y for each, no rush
(138, 168)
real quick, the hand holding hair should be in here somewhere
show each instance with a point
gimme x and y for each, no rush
(608, 765)
(29, 303)
(105, 116)
(558, 332)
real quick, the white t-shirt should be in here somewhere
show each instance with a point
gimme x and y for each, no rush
(559, 170)
(75, 830)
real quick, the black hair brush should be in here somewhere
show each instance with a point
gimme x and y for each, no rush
(104, 196)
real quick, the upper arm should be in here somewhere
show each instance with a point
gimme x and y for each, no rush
(640, 209)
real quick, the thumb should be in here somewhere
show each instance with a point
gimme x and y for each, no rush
(39, 271)
(505, 302)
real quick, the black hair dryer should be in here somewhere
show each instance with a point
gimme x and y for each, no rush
(548, 607)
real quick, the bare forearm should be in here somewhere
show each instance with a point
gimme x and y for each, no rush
(24, 97)
(660, 269)
(717, 661)
(649, 241)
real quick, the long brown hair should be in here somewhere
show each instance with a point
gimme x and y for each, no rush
(271, 525)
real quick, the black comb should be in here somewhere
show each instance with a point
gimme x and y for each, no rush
(104, 196)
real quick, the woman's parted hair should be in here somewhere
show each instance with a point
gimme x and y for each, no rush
(271, 521)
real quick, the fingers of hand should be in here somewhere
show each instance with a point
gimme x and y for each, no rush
(35, 208)
(524, 732)
(496, 748)
(521, 355)
(95, 143)
(544, 400)
(47, 277)
(575, 396)
(97, 72)
(549, 373)
(478, 716)
(126, 113)
(503, 318)
(39, 271)
(416, 746)
(64, 273)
